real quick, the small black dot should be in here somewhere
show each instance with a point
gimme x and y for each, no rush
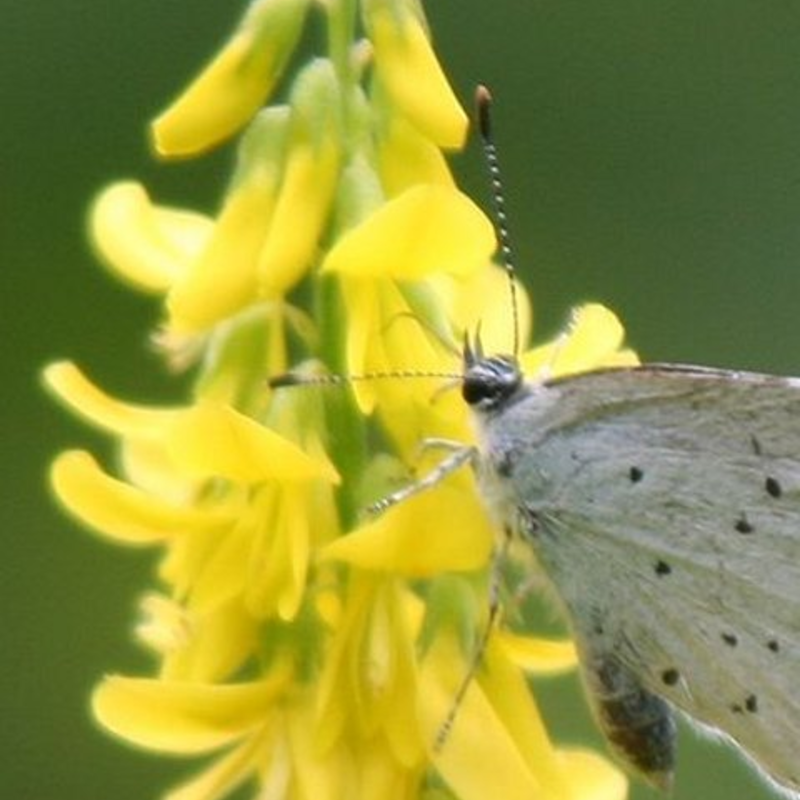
(505, 466)
(773, 487)
(773, 645)
(743, 525)
(662, 568)
(751, 703)
(670, 676)
(730, 639)
(598, 618)
(635, 474)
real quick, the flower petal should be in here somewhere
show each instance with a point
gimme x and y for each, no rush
(222, 641)
(280, 551)
(319, 774)
(121, 511)
(300, 215)
(425, 230)
(483, 302)
(235, 84)
(147, 245)
(445, 529)
(477, 737)
(539, 656)
(407, 65)
(223, 775)
(182, 717)
(145, 464)
(593, 340)
(223, 279)
(407, 159)
(211, 440)
(71, 386)
(592, 777)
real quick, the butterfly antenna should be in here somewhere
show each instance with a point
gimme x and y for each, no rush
(332, 379)
(483, 105)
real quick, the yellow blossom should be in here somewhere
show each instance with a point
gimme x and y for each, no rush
(146, 245)
(184, 717)
(410, 539)
(371, 672)
(426, 229)
(308, 183)
(233, 86)
(407, 159)
(413, 78)
(300, 644)
(118, 509)
(225, 269)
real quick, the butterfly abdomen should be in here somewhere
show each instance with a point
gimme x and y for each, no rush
(639, 725)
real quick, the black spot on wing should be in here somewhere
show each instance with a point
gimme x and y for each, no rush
(635, 474)
(661, 568)
(773, 645)
(505, 465)
(598, 616)
(743, 525)
(730, 639)
(670, 676)
(773, 487)
(750, 705)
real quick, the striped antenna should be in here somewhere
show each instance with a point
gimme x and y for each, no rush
(483, 105)
(332, 379)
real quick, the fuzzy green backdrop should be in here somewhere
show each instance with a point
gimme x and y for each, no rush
(652, 161)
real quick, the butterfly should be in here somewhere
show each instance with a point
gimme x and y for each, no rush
(663, 504)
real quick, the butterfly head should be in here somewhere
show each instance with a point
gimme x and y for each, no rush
(488, 381)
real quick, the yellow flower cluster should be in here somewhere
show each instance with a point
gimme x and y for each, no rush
(309, 650)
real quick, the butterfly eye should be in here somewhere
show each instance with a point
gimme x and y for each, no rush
(488, 382)
(476, 389)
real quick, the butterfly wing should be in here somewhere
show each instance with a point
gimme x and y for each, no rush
(664, 504)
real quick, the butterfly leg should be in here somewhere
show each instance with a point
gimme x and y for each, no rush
(495, 584)
(434, 443)
(460, 456)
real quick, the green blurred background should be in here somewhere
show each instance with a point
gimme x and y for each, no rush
(651, 159)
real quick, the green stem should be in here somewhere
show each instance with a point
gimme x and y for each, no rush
(346, 443)
(341, 35)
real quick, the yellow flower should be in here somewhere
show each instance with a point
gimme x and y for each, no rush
(233, 86)
(309, 180)
(148, 246)
(407, 66)
(299, 644)
(222, 278)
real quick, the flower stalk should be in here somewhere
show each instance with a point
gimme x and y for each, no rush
(299, 645)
